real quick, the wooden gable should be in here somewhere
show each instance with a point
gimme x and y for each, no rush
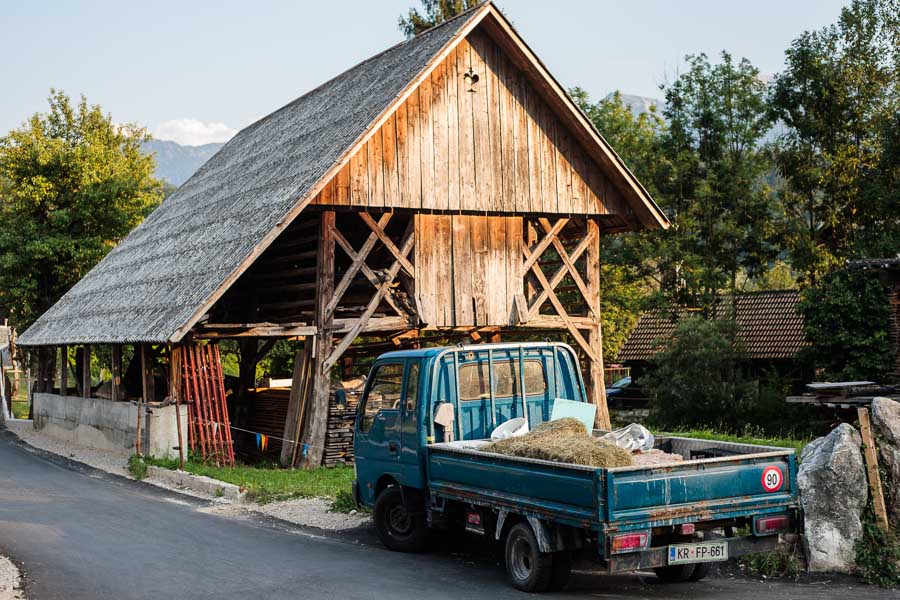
(493, 145)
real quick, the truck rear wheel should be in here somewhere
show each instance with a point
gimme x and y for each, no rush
(400, 528)
(701, 570)
(529, 569)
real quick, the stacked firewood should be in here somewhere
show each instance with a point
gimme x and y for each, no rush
(341, 416)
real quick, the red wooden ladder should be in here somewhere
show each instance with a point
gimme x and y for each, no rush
(209, 428)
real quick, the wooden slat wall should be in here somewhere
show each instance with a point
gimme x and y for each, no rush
(468, 269)
(494, 146)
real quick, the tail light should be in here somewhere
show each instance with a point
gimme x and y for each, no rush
(629, 542)
(769, 525)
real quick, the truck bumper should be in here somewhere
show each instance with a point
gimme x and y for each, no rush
(659, 557)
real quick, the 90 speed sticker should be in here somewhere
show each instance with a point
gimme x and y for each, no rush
(772, 479)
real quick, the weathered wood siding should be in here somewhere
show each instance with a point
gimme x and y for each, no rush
(468, 269)
(493, 146)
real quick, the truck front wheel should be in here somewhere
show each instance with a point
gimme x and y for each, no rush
(529, 569)
(400, 528)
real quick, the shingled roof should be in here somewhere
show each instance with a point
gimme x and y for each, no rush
(770, 327)
(169, 270)
(153, 283)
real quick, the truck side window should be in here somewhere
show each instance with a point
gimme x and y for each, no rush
(412, 388)
(383, 394)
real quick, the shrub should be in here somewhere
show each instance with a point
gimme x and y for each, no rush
(137, 467)
(846, 319)
(698, 379)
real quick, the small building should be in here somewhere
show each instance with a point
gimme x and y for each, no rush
(770, 330)
(447, 186)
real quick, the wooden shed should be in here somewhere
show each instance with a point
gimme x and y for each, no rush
(446, 184)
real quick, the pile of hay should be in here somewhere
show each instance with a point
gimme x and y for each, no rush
(564, 440)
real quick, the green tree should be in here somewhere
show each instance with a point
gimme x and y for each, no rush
(72, 185)
(713, 182)
(627, 269)
(840, 103)
(435, 13)
(846, 317)
(697, 380)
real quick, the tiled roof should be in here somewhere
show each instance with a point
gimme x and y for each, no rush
(770, 327)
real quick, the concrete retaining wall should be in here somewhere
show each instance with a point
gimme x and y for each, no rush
(104, 424)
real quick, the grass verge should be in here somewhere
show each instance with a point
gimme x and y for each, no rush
(267, 484)
(20, 408)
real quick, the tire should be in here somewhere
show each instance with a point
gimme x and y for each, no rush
(399, 528)
(560, 571)
(701, 570)
(674, 573)
(529, 569)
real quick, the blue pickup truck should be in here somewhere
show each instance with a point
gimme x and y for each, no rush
(426, 414)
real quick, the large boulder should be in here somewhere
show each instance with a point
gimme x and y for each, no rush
(833, 492)
(886, 420)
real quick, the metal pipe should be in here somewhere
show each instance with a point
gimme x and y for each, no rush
(491, 383)
(555, 378)
(456, 396)
(522, 383)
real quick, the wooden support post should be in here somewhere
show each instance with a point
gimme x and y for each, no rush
(146, 393)
(316, 419)
(871, 454)
(175, 375)
(86, 371)
(63, 370)
(293, 423)
(596, 386)
(116, 373)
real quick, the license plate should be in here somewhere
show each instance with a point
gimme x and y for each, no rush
(702, 552)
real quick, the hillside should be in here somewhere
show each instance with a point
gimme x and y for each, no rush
(176, 163)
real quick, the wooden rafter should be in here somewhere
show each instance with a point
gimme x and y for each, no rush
(372, 306)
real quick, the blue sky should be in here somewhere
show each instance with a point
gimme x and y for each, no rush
(196, 71)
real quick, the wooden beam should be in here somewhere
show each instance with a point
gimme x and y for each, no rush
(359, 261)
(363, 319)
(358, 265)
(269, 331)
(596, 385)
(86, 371)
(63, 370)
(559, 275)
(871, 454)
(315, 423)
(175, 378)
(532, 255)
(296, 402)
(389, 244)
(116, 394)
(569, 263)
(148, 391)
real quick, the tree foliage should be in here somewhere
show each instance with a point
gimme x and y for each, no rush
(846, 316)
(839, 101)
(435, 13)
(698, 379)
(72, 184)
(713, 182)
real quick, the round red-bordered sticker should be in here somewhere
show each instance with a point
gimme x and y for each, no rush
(772, 479)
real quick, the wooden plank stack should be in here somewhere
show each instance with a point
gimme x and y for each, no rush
(845, 394)
(341, 416)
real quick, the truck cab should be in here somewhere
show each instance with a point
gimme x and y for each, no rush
(425, 416)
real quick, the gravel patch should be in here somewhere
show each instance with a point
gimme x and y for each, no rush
(307, 512)
(313, 512)
(10, 581)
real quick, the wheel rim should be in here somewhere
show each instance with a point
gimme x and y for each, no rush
(522, 559)
(399, 520)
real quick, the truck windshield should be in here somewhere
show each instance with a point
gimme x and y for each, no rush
(384, 393)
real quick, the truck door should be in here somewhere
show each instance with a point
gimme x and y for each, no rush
(377, 440)
(409, 430)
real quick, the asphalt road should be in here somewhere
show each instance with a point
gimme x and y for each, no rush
(78, 534)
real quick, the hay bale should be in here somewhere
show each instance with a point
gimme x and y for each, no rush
(565, 441)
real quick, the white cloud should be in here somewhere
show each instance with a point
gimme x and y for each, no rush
(193, 132)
